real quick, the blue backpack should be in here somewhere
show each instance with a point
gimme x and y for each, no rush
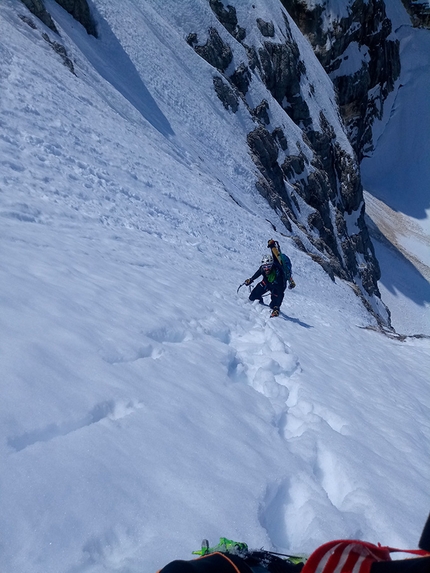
(286, 265)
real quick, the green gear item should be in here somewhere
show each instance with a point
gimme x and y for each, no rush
(297, 560)
(271, 276)
(224, 546)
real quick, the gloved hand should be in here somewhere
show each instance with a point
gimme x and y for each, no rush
(292, 283)
(271, 243)
(248, 282)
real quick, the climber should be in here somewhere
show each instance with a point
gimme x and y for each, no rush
(276, 272)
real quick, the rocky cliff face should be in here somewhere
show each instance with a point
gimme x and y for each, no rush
(313, 182)
(355, 48)
(419, 12)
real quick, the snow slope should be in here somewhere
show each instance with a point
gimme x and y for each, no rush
(396, 178)
(145, 404)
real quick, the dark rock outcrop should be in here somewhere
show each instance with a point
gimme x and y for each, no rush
(79, 9)
(227, 17)
(267, 29)
(264, 152)
(241, 78)
(61, 51)
(226, 94)
(215, 51)
(363, 34)
(419, 12)
(37, 8)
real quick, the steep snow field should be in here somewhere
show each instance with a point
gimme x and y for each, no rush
(145, 404)
(397, 179)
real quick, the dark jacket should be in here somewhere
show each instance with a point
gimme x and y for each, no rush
(276, 279)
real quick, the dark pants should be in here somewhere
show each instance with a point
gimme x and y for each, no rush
(276, 291)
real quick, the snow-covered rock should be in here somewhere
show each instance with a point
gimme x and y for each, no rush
(353, 40)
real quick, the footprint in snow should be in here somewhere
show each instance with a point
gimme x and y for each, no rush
(263, 360)
(117, 355)
(105, 410)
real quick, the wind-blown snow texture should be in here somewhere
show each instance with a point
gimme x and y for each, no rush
(144, 404)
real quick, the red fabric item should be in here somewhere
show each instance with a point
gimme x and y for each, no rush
(350, 556)
(345, 556)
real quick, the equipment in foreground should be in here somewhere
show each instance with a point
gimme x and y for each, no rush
(341, 556)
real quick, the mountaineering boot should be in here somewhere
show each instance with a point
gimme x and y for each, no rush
(275, 312)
